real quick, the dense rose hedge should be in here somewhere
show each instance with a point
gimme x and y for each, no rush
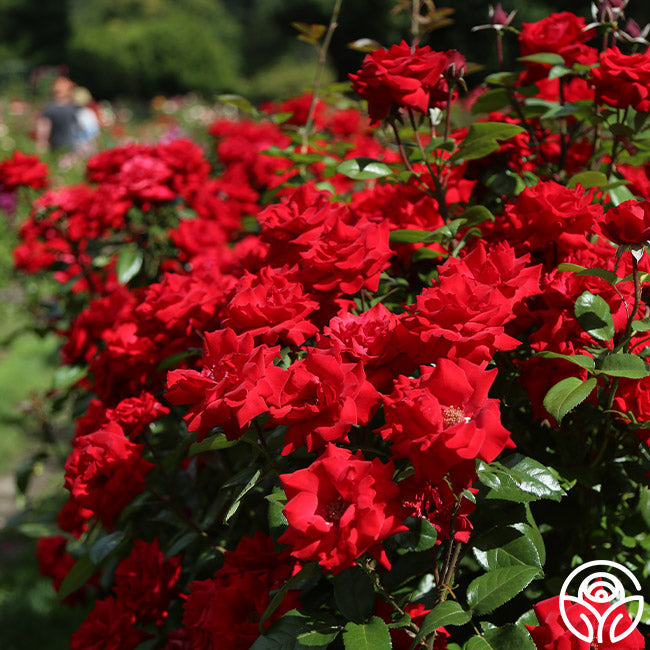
(382, 390)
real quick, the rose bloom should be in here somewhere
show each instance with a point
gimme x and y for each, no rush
(223, 612)
(105, 471)
(234, 386)
(320, 397)
(22, 169)
(109, 626)
(552, 633)
(623, 80)
(341, 507)
(627, 223)
(145, 581)
(445, 419)
(53, 560)
(399, 78)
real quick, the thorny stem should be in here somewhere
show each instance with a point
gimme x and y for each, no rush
(627, 336)
(322, 60)
(500, 49)
(450, 93)
(415, 24)
(440, 192)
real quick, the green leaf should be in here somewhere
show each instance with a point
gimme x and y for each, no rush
(567, 394)
(307, 571)
(448, 612)
(642, 325)
(482, 139)
(373, 635)
(508, 637)
(558, 71)
(476, 214)
(408, 236)
(519, 479)
(354, 594)
(594, 316)
(624, 365)
(493, 589)
(284, 633)
(129, 263)
(548, 58)
(421, 535)
(236, 503)
(77, 577)
(102, 548)
(588, 179)
(581, 360)
(491, 100)
(213, 443)
(318, 638)
(67, 376)
(361, 169)
(502, 79)
(619, 194)
(238, 102)
(521, 550)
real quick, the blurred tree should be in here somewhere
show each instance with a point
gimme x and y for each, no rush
(144, 47)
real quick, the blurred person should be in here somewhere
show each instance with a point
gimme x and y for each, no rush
(55, 127)
(87, 125)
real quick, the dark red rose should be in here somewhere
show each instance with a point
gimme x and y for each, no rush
(401, 78)
(104, 472)
(627, 223)
(53, 560)
(146, 581)
(623, 80)
(108, 626)
(341, 507)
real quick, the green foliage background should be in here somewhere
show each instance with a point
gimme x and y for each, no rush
(138, 48)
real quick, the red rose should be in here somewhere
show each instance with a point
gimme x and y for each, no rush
(135, 414)
(320, 397)
(108, 626)
(444, 419)
(104, 472)
(562, 33)
(22, 169)
(553, 634)
(402, 78)
(145, 581)
(341, 507)
(234, 386)
(271, 305)
(627, 223)
(53, 560)
(224, 611)
(623, 80)
(549, 216)
(465, 314)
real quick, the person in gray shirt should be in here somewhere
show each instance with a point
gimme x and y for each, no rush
(56, 126)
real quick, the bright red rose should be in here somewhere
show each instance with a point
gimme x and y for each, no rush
(320, 397)
(224, 611)
(401, 78)
(73, 519)
(343, 257)
(22, 169)
(104, 472)
(465, 314)
(551, 217)
(341, 507)
(552, 632)
(234, 386)
(146, 581)
(109, 626)
(562, 33)
(623, 80)
(135, 414)
(146, 178)
(627, 223)
(271, 306)
(445, 419)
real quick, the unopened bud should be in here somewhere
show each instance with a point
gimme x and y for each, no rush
(497, 15)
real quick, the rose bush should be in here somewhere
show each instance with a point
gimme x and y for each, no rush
(365, 382)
